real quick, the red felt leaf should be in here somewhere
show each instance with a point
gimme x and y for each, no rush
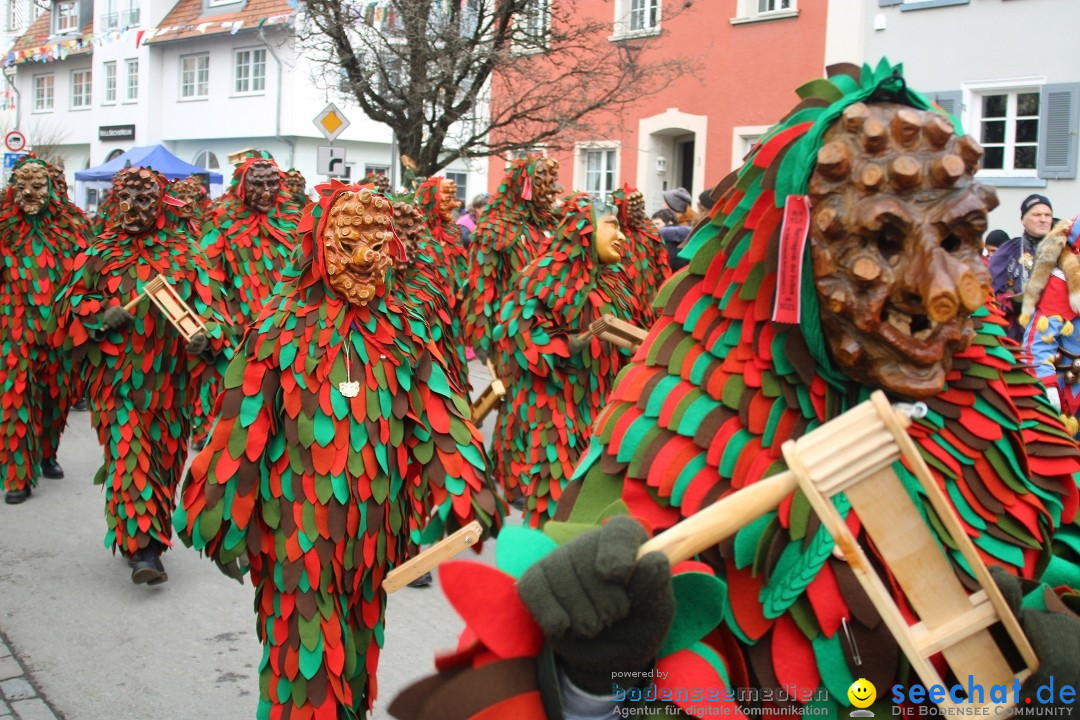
(686, 671)
(793, 655)
(488, 602)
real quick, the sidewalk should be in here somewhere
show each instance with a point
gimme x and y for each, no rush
(19, 698)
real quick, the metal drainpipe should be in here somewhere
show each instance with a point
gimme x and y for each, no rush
(18, 100)
(277, 110)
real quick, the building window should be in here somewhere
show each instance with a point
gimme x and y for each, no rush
(110, 83)
(216, 3)
(194, 76)
(80, 90)
(1008, 124)
(383, 170)
(598, 163)
(752, 10)
(117, 17)
(250, 75)
(132, 92)
(67, 17)
(743, 139)
(771, 6)
(531, 26)
(206, 160)
(16, 15)
(637, 17)
(43, 93)
(462, 180)
(114, 154)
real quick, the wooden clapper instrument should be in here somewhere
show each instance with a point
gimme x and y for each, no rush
(172, 306)
(854, 454)
(618, 332)
(489, 397)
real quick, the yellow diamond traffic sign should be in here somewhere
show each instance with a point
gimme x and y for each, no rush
(331, 122)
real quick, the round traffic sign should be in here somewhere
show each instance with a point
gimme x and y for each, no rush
(15, 141)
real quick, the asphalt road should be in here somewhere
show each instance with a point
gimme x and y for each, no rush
(97, 647)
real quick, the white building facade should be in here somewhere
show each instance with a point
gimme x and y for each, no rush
(996, 66)
(205, 78)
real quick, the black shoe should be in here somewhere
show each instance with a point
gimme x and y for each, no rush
(51, 469)
(146, 567)
(422, 581)
(80, 404)
(198, 445)
(14, 497)
(518, 502)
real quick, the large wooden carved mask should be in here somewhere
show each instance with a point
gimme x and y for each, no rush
(896, 232)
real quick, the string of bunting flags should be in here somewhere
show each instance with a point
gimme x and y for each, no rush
(60, 50)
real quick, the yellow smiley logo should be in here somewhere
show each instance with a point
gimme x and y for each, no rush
(862, 693)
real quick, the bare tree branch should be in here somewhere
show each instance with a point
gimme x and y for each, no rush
(474, 78)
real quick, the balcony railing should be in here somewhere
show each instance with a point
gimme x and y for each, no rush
(119, 20)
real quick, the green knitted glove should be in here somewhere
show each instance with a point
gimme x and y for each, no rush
(602, 610)
(1054, 635)
(576, 344)
(198, 344)
(117, 318)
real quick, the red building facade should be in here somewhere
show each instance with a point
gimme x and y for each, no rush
(749, 55)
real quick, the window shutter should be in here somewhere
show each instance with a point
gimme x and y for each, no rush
(889, 3)
(949, 101)
(1058, 109)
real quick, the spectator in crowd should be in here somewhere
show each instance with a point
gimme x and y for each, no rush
(705, 202)
(663, 217)
(991, 243)
(678, 201)
(468, 219)
(1011, 265)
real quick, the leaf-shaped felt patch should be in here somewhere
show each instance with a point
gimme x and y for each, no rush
(487, 601)
(519, 548)
(700, 600)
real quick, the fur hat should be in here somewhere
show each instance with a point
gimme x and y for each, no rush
(1053, 251)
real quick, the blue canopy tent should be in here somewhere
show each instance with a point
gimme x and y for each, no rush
(157, 157)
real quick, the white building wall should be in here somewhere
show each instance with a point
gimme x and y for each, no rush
(278, 119)
(971, 46)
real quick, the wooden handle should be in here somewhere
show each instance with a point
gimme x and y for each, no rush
(428, 560)
(134, 301)
(720, 520)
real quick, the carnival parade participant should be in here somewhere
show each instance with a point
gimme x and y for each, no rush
(40, 235)
(445, 255)
(557, 374)
(139, 367)
(514, 231)
(647, 258)
(893, 297)
(340, 441)
(249, 237)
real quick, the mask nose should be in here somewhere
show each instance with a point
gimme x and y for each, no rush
(363, 257)
(950, 286)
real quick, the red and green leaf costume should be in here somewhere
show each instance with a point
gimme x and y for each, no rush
(37, 381)
(250, 249)
(442, 260)
(320, 493)
(513, 232)
(717, 388)
(552, 398)
(501, 668)
(647, 265)
(139, 379)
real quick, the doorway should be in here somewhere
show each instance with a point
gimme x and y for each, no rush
(685, 151)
